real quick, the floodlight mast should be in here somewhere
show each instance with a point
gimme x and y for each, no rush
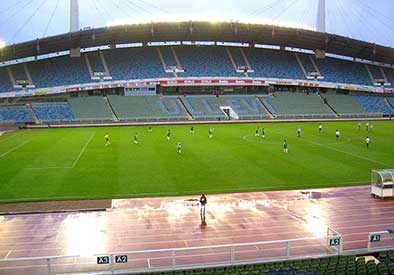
(74, 25)
(321, 25)
(321, 16)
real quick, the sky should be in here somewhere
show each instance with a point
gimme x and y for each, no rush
(369, 20)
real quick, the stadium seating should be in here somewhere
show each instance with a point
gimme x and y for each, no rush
(345, 104)
(146, 108)
(15, 114)
(53, 112)
(391, 100)
(198, 61)
(306, 62)
(59, 71)
(168, 56)
(297, 104)
(274, 63)
(375, 71)
(95, 61)
(90, 108)
(135, 63)
(390, 76)
(5, 82)
(375, 104)
(207, 107)
(342, 71)
(340, 265)
(205, 61)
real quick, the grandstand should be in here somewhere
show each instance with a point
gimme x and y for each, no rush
(133, 122)
(290, 104)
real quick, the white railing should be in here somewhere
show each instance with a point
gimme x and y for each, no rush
(380, 241)
(177, 258)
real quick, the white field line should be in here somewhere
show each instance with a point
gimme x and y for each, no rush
(83, 150)
(7, 137)
(340, 151)
(348, 153)
(14, 148)
(73, 164)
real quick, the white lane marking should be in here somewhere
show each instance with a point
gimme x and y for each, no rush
(83, 150)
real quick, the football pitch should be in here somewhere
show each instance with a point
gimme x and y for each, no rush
(57, 164)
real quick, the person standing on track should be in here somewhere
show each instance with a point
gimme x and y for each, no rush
(299, 132)
(359, 126)
(320, 128)
(203, 202)
(136, 138)
(257, 132)
(263, 133)
(168, 134)
(210, 132)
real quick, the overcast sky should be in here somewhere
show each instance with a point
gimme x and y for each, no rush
(370, 20)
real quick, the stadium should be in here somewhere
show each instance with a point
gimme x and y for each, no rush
(195, 145)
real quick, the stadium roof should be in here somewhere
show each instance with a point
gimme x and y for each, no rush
(201, 31)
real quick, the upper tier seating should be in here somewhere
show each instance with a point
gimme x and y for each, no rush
(146, 108)
(15, 114)
(89, 108)
(274, 63)
(197, 61)
(297, 104)
(205, 107)
(306, 62)
(52, 112)
(95, 61)
(345, 104)
(168, 57)
(59, 71)
(375, 104)
(390, 76)
(135, 63)
(375, 71)
(5, 82)
(205, 61)
(342, 71)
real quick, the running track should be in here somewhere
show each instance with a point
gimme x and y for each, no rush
(174, 222)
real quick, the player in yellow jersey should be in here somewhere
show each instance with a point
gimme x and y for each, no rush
(107, 142)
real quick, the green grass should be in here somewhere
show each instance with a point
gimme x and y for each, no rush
(74, 163)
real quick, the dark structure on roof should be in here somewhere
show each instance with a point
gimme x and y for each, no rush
(202, 31)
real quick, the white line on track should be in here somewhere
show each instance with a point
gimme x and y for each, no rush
(8, 254)
(14, 148)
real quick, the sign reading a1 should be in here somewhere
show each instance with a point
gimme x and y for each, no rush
(374, 238)
(103, 260)
(335, 242)
(121, 259)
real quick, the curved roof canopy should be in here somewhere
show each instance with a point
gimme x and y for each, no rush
(202, 31)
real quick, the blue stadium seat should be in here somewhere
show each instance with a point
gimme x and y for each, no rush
(17, 114)
(53, 112)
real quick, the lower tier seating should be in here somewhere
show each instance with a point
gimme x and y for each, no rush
(52, 112)
(147, 108)
(345, 104)
(89, 108)
(375, 104)
(284, 104)
(16, 114)
(246, 107)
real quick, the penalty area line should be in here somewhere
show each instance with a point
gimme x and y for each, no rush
(75, 161)
(14, 148)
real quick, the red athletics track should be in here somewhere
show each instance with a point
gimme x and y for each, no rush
(174, 222)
